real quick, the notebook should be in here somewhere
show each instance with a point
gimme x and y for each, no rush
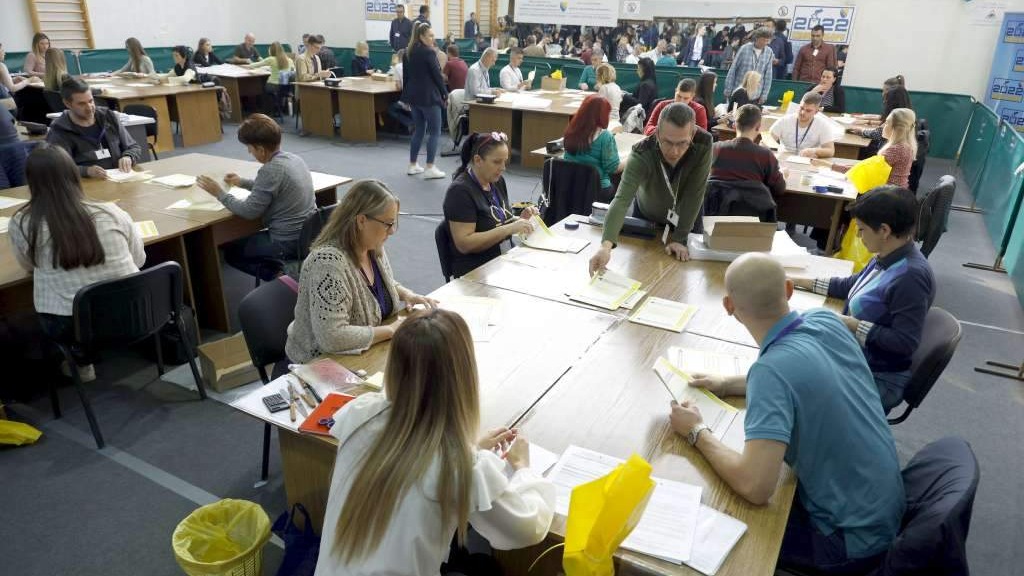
(326, 409)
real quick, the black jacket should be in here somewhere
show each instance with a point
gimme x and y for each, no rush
(743, 198)
(422, 83)
(206, 60)
(647, 94)
(82, 148)
(401, 31)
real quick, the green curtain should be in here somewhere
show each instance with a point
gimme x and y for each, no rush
(997, 192)
(980, 133)
(1013, 260)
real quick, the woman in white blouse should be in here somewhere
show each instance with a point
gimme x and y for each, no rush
(607, 87)
(410, 471)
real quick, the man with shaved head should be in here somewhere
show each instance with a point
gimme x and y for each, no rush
(811, 403)
(246, 52)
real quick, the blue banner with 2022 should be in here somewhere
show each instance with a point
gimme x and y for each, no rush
(1005, 92)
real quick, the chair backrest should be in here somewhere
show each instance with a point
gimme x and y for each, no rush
(570, 188)
(443, 240)
(924, 138)
(939, 339)
(940, 482)
(54, 101)
(265, 314)
(933, 213)
(311, 228)
(741, 198)
(148, 112)
(125, 310)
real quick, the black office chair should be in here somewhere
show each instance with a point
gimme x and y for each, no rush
(54, 101)
(741, 198)
(933, 213)
(310, 230)
(151, 129)
(940, 483)
(443, 238)
(924, 139)
(569, 188)
(939, 339)
(118, 313)
(265, 314)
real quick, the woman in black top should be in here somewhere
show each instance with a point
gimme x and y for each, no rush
(833, 99)
(647, 90)
(424, 91)
(706, 96)
(204, 56)
(182, 63)
(476, 206)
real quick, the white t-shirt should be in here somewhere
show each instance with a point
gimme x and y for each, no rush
(510, 513)
(511, 78)
(613, 93)
(813, 136)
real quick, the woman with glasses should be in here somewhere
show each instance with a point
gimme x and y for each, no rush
(347, 291)
(476, 205)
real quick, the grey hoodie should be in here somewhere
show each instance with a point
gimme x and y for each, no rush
(83, 148)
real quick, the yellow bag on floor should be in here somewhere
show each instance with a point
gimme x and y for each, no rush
(601, 514)
(17, 433)
(864, 175)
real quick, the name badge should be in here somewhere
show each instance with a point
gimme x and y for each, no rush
(672, 217)
(102, 154)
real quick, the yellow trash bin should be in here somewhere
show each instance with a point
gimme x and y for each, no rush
(225, 538)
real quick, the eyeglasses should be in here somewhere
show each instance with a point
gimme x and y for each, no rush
(666, 145)
(393, 225)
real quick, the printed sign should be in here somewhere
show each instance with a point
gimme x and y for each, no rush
(1014, 116)
(1006, 80)
(1006, 89)
(572, 12)
(836, 20)
(1013, 31)
(385, 9)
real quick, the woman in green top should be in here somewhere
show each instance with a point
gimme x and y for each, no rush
(588, 141)
(279, 62)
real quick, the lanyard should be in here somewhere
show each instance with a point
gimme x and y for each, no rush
(783, 333)
(494, 192)
(668, 182)
(99, 139)
(797, 139)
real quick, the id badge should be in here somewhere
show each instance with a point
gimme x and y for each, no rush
(672, 217)
(102, 154)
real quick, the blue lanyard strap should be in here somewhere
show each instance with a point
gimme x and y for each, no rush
(783, 333)
(797, 139)
(495, 199)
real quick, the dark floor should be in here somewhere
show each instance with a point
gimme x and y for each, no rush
(66, 508)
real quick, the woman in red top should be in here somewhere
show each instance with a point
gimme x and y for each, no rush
(685, 92)
(900, 149)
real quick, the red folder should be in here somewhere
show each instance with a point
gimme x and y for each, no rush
(326, 409)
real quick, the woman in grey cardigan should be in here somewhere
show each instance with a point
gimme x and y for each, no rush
(347, 288)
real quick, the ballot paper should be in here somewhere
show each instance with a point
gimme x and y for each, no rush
(803, 301)
(668, 525)
(541, 460)
(531, 75)
(175, 181)
(692, 361)
(119, 176)
(5, 223)
(8, 202)
(541, 259)
(716, 536)
(482, 315)
(768, 140)
(542, 238)
(794, 159)
(662, 313)
(717, 414)
(606, 290)
(633, 300)
(211, 205)
(139, 84)
(146, 229)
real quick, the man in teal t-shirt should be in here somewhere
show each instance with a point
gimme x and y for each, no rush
(812, 403)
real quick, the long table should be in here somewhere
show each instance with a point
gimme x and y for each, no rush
(528, 127)
(239, 82)
(568, 373)
(359, 99)
(189, 237)
(848, 147)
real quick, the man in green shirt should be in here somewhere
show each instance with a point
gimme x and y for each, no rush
(666, 174)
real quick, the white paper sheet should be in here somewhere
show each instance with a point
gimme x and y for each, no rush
(669, 523)
(116, 175)
(175, 181)
(664, 314)
(146, 229)
(607, 290)
(633, 300)
(692, 361)
(717, 414)
(803, 301)
(482, 315)
(8, 202)
(716, 536)
(185, 204)
(542, 259)
(794, 159)
(5, 223)
(542, 238)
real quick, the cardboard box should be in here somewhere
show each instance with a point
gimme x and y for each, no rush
(226, 363)
(738, 233)
(549, 83)
(380, 77)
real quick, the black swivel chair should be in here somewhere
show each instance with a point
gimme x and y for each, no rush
(939, 339)
(54, 101)
(151, 129)
(569, 188)
(118, 313)
(443, 239)
(264, 315)
(310, 230)
(933, 213)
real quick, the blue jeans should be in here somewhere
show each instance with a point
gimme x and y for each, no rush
(427, 119)
(890, 387)
(12, 165)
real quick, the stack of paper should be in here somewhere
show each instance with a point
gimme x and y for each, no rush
(784, 250)
(716, 536)
(482, 315)
(542, 238)
(691, 361)
(607, 290)
(795, 159)
(717, 414)
(146, 229)
(8, 202)
(665, 314)
(175, 181)
(119, 176)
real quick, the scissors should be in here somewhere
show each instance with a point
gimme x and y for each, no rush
(328, 422)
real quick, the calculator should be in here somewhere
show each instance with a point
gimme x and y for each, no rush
(275, 403)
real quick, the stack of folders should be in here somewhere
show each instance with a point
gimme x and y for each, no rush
(609, 290)
(674, 527)
(542, 238)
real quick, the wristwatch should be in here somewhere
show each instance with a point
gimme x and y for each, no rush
(695, 433)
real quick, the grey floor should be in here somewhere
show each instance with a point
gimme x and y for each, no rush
(66, 508)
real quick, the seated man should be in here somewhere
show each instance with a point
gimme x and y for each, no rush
(281, 194)
(802, 133)
(741, 160)
(246, 52)
(92, 135)
(886, 303)
(478, 79)
(811, 402)
(685, 92)
(511, 76)
(588, 78)
(665, 178)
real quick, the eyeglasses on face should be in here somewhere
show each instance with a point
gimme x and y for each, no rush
(669, 145)
(393, 225)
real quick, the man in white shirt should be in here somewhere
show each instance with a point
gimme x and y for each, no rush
(802, 133)
(695, 48)
(657, 51)
(511, 76)
(478, 79)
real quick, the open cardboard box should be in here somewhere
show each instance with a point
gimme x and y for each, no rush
(226, 363)
(549, 83)
(738, 233)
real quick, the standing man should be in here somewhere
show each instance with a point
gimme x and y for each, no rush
(782, 48)
(814, 58)
(665, 179)
(478, 80)
(246, 53)
(472, 27)
(424, 16)
(401, 29)
(756, 56)
(696, 46)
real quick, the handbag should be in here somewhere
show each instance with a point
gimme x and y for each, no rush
(301, 545)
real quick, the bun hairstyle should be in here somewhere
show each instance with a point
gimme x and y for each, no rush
(477, 144)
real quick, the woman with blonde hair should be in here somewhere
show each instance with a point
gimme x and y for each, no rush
(900, 150)
(35, 61)
(607, 87)
(347, 289)
(9, 85)
(279, 62)
(56, 69)
(412, 468)
(138, 61)
(742, 95)
(361, 60)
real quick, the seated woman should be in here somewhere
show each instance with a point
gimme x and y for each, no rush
(281, 194)
(9, 85)
(361, 60)
(833, 99)
(741, 95)
(35, 60)
(204, 56)
(685, 92)
(886, 303)
(706, 96)
(56, 70)
(900, 134)
(607, 87)
(67, 242)
(280, 66)
(894, 95)
(139, 64)
(647, 90)
(413, 467)
(588, 141)
(347, 289)
(476, 204)
(184, 71)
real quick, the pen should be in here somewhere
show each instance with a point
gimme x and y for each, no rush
(291, 409)
(309, 388)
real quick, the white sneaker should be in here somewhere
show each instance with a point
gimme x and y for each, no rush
(414, 169)
(85, 373)
(432, 173)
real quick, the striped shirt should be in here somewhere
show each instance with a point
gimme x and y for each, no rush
(741, 160)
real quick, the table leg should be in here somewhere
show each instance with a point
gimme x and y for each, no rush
(538, 130)
(316, 105)
(358, 118)
(833, 231)
(307, 465)
(207, 282)
(164, 136)
(234, 96)
(198, 117)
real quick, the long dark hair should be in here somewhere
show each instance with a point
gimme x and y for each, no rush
(706, 91)
(477, 145)
(647, 68)
(896, 97)
(592, 114)
(56, 201)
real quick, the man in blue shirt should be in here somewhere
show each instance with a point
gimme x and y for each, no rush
(812, 403)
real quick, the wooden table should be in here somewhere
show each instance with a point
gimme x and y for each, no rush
(849, 146)
(359, 99)
(191, 105)
(240, 82)
(194, 235)
(624, 142)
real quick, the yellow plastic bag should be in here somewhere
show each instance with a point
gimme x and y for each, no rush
(864, 175)
(214, 537)
(17, 433)
(787, 97)
(557, 74)
(602, 513)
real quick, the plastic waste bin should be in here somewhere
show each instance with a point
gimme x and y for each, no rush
(225, 538)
